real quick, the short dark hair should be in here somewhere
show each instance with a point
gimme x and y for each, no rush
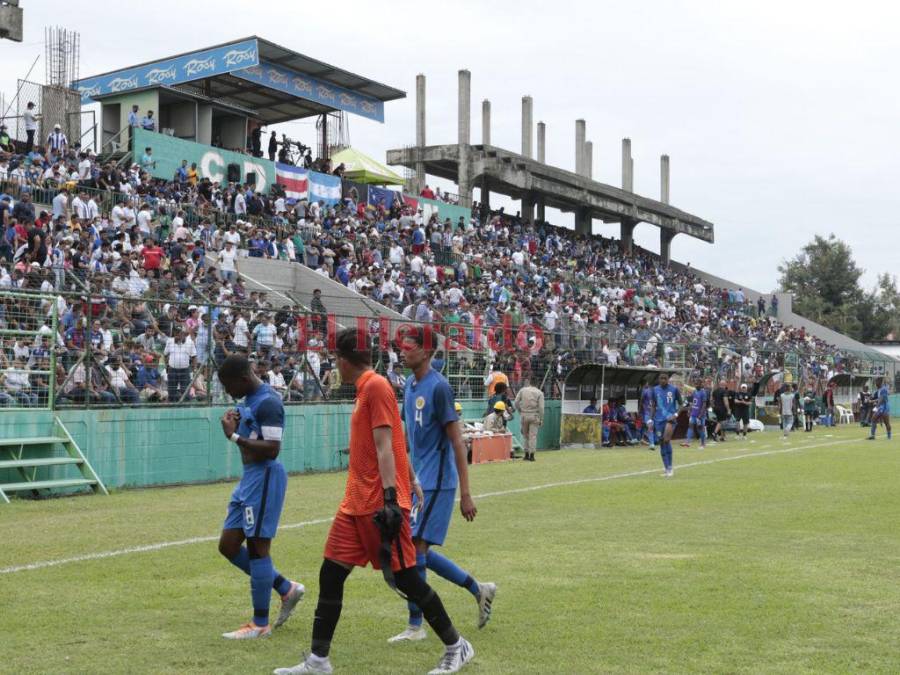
(500, 387)
(353, 345)
(234, 367)
(423, 336)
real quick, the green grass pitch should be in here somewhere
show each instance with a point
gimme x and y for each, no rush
(784, 560)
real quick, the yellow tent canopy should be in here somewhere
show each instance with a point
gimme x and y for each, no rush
(363, 169)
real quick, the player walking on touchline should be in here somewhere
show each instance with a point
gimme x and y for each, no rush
(256, 427)
(439, 460)
(882, 412)
(664, 405)
(372, 522)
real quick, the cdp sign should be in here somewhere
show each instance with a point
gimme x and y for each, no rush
(214, 165)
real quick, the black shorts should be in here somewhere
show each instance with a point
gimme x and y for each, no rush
(721, 414)
(743, 416)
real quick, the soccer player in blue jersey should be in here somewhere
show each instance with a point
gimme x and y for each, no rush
(256, 426)
(697, 421)
(664, 405)
(647, 414)
(882, 411)
(439, 461)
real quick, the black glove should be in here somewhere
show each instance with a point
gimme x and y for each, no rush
(389, 518)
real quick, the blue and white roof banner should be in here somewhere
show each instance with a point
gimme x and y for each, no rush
(193, 66)
(303, 86)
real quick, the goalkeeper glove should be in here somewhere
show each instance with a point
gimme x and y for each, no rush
(389, 518)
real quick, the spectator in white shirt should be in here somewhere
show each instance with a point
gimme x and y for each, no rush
(227, 262)
(180, 353)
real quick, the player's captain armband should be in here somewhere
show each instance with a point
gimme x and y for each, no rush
(272, 433)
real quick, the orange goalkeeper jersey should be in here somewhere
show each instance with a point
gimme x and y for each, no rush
(376, 406)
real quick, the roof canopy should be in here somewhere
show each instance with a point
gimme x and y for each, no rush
(270, 82)
(630, 376)
(361, 168)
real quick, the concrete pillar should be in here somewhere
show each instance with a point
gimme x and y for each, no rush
(527, 108)
(465, 107)
(664, 179)
(583, 222)
(464, 175)
(528, 207)
(541, 138)
(627, 234)
(665, 245)
(579, 147)
(420, 130)
(485, 122)
(627, 183)
(541, 215)
(589, 159)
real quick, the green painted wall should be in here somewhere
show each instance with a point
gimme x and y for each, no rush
(145, 100)
(158, 446)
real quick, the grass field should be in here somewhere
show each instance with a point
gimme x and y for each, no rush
(784, 560)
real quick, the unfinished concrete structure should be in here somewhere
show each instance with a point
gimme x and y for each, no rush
(522, 176)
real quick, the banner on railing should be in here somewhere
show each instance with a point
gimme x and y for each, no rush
(294, 180)
(443, 210)
(324, 188)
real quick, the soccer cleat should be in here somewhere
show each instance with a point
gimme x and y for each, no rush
(289, 602)
(486, 593)
(411, 634)
(309, 664)
(455, 657)
(249, 631)
(669, 473)
(685, 445)
(870, 438)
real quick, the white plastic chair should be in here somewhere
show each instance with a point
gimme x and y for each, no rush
(845, 416)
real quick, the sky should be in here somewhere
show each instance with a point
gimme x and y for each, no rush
(780, 118)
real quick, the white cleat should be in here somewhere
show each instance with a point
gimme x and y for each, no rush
(411, 634)
(289, 602)
(669, 473)
(486, 594)
(249, 631)
(310, 664)
(455, 657)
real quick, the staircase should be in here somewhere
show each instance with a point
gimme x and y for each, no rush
(34, 459)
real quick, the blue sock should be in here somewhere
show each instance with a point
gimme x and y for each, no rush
(874, 428)
(703, 435)
(666, 451)
(262, 573)
(690, 434)
(242, 562)
(415, 614)
(448, 569)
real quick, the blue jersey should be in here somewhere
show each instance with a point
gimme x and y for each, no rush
(427, 410)
(646, 402)
(883, 399)
(262, 415)
(699, 403)
(667, 400)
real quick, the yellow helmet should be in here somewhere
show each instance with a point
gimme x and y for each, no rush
(457, 406)
(500, 405)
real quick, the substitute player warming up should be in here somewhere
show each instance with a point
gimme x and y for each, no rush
(256, 427)
(664, 405)
(439, 460)
(372, 522)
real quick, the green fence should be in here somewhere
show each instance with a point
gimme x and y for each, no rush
(134, 447)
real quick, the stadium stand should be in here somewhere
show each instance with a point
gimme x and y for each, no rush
(126, 262)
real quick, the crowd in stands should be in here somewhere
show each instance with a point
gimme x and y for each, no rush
(149, 293)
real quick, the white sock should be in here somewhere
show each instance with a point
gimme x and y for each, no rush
(317, 659)
(456, 645)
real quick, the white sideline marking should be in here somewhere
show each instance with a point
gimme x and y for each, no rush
(43, 564)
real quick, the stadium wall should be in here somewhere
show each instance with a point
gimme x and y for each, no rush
(137, 447)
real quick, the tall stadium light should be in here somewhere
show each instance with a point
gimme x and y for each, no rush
(11, 20)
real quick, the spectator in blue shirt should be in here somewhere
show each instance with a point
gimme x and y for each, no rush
(133, 116)
(182, 174)
(147, 122)
(591, 409)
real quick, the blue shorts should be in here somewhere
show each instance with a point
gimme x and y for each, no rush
(432, 518)
(882, 411)
(256, 502)
(698, 420)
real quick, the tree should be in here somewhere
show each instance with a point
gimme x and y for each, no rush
(824, 280)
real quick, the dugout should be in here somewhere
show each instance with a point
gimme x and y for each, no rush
(847, 387)
(600, 381)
